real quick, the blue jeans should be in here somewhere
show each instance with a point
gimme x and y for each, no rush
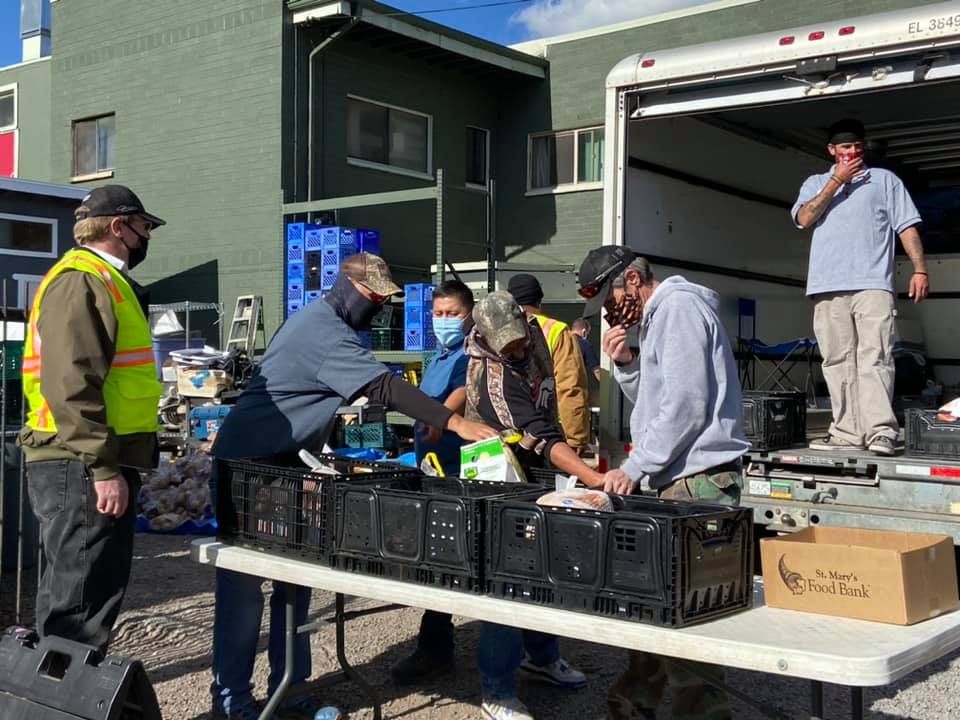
(500, 652)
(236, 630)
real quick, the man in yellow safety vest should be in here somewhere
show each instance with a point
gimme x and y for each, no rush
(568, 368)
(91, 387)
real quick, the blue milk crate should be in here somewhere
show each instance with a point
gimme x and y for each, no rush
(293, 307)
(312, 238)
(295, 272)
(294, 253)
(369, 240)
(204, 421)
(338, 243)
(294, 293)
(295, 233)
(328, 277)
(419, 340)
(312, 295)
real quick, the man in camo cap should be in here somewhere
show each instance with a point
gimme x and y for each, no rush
(510, 386)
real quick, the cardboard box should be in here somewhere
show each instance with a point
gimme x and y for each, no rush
(201, 382)
(892, 577)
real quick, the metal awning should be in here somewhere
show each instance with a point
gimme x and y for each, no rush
(421, 39)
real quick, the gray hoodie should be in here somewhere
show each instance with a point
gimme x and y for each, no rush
(684, 386)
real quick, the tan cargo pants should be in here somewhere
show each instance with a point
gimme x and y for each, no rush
(855, 332)
(638, 691)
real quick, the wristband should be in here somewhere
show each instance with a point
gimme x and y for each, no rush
(837, 180)
(917, 272)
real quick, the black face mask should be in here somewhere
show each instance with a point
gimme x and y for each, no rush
(350, 304)
(138, 254)
(522, 363)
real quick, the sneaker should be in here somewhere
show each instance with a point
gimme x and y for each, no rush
(831, 442)
(556, 673)
(244, 712)
(420, 666)
(305, 708)
(882, 445)
(505, 709)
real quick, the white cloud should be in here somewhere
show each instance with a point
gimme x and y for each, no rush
(556, 17)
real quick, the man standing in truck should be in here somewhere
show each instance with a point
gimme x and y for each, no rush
(856, 213)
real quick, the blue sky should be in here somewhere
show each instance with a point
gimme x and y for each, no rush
(503, 23)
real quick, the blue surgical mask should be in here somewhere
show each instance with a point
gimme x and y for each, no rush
(449, 331)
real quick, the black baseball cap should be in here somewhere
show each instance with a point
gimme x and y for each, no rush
(847, 130)
(112, 200)
(597, 273)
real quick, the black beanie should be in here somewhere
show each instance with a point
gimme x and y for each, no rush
(525, 289)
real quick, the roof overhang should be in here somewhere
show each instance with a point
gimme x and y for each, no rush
(32, 187)
(415, 28)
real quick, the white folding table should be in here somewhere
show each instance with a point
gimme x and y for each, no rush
(818, 648)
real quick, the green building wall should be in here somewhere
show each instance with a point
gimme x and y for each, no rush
(196, 89)
(33, 116)
(561, 228)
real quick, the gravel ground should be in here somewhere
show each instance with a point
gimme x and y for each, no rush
(168, 617)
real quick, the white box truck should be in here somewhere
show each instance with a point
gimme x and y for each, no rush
(707, 147)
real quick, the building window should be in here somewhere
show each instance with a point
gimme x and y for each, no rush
(478, 156)
(8, 131)
(29, 236)
(572, 159)
(93, 141)
(8, 108)
(388, 137)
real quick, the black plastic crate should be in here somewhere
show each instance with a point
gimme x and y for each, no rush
(288, 509)
(927, 435)
(774, 420)
(655, 561)
(423, 529)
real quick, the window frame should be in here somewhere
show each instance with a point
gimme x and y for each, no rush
(55, 229)
(13, 90)
(386, 167)
(576, 185)
(97, 174)
(23, 285)
(15, 127)
(486, 149)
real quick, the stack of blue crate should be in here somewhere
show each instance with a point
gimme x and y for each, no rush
(294, 285)
(418, 318)
(314, 254)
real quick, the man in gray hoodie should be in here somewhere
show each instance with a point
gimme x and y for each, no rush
(686, 431)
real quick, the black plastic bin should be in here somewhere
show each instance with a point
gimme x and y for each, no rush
(654, 561)
(774, 420)
(424, 530)
(288, 509)
(926, 435)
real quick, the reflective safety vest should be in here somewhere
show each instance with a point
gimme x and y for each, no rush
(551, 331)
(131, 390)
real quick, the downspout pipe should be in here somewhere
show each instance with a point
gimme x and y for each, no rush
(326, 43)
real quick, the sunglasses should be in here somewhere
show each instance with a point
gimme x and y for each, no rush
(593, 288)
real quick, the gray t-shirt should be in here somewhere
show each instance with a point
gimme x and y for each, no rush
(313, 364)
(855, 238)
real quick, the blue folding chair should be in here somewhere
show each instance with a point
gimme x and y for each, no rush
(781, 358)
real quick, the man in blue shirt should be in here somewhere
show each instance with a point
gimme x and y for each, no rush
(444, 381)
(313, 364)
(856, 213)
